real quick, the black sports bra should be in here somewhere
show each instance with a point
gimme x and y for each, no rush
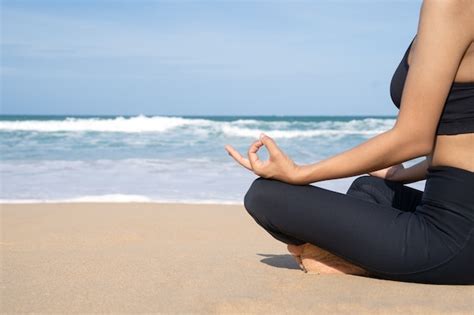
(458, 112)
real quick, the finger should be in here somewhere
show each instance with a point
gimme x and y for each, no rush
(238, 157)
(270, 144)
(252, 154)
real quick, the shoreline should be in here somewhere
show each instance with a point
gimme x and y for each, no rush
(180, 258)
(78, 201)
(334, 185)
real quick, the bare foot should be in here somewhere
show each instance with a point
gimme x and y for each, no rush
(296, 251)
(316, 260)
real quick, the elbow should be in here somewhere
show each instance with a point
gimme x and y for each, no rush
(425, 146)
(415, 143)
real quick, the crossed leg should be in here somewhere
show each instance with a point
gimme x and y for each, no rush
(313, 258)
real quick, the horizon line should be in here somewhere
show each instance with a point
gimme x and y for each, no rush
(202, 115)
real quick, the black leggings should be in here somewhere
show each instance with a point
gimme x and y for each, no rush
(391, 230)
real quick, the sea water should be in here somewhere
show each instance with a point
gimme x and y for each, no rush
(161, 158)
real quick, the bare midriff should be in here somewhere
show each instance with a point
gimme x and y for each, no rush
(454, 150)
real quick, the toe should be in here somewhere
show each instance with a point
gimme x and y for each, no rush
(295, 250)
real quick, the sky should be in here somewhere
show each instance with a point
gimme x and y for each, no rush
(202, 57)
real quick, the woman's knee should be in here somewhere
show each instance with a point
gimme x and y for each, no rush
(257, 197)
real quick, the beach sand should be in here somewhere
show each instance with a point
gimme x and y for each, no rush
(177, 258)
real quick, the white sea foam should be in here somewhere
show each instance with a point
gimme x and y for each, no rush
(118, 124)
(250, 128)
(248, 132)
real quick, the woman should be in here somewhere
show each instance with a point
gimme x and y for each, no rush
(382, 228)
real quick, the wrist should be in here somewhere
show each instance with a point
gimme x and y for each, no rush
(397, 174)
(300, 175)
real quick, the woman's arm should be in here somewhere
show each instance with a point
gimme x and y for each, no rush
(411, 174)
(443, 37)
(389, 148)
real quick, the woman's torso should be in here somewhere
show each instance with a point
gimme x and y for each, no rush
(455, 150)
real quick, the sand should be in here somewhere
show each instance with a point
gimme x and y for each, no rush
(176, 258)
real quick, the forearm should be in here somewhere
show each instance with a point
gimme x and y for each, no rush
(411, 174)
(386, 149)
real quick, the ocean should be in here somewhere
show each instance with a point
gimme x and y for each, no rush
(160, 158)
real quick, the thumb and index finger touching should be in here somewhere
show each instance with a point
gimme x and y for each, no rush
(270, 144)
(266, 141)
(253, 160)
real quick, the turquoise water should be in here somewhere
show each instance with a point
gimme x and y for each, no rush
(159, 158)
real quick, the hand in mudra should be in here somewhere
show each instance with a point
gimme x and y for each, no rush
(278, 166)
